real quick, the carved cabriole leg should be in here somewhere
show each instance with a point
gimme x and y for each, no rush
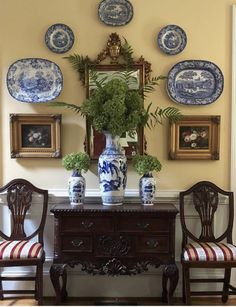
(170, 273)
(57, 271)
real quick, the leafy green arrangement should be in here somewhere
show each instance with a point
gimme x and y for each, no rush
(113, 105)
(146, 163)
(116, 108)
(76, 161)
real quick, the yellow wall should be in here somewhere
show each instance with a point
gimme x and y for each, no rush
(207, 24)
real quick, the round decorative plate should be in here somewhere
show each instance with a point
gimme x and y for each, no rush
(59, 38)
(172, 39)
(115, 12)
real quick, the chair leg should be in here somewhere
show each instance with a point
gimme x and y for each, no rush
(39, 284)
(225, 294)
(186, 285)
(183, 287)
(1, 293)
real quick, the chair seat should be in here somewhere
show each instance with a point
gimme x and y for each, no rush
(209, 251)
(20, 250)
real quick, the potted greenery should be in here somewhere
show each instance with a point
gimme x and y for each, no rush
(77, 162)
(114, 109)
(144, 165)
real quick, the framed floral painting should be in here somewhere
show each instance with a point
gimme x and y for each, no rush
(195, 137)
(35, 135)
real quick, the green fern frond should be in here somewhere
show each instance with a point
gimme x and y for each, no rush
(79, 63)
(150, 85)
(127, 52)
(73, 107)
(97, 80)
(171, 113)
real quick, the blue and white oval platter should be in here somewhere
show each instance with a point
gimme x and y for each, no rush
(195, 82)
(59, 38)
(115, 12)
(34, 80)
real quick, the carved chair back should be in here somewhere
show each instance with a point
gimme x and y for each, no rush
(205, 197)
(19, 196)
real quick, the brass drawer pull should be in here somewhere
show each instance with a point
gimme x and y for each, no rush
(143, 225)
(87, 224)
(77, 243)
(152, 243)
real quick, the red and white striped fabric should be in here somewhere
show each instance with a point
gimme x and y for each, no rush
(20, 250)
(209, 251)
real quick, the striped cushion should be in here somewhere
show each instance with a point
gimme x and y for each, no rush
(20, 250)
(209, 251)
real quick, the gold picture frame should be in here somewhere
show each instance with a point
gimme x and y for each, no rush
(195, 138)
(35, 135)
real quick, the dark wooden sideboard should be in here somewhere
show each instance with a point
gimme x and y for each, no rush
(117, 240)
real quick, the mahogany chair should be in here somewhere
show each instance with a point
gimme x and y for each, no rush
(19, 248)
(207, 249)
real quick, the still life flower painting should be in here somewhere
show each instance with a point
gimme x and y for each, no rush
(194, 137)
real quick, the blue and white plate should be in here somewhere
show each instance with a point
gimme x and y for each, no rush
(172, 39)
(59, 38)
(195, 82)
(34, 80)
(115, 12)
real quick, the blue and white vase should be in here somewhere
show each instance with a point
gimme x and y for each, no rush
(112, 172)
(76, 187)
(147, 189)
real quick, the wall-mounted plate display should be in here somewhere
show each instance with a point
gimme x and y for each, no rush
(59, 38)
(115, 12)
(172, 39)
(195, 82)
(34, 80)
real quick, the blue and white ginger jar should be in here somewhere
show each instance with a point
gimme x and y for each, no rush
(112, 172)
(147, 189)
(76, 187)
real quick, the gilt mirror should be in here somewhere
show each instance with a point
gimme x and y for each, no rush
(118, 57)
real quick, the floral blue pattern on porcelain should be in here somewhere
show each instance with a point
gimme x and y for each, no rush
(59, 38)
(76, 189)
(115, 12)
(147, 189)
(172, 39)
(195, 82)
(34, 80)
(112, 172)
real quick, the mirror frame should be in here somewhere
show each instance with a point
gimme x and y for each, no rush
(94, 141)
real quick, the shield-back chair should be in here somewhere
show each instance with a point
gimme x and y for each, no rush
(19, 248)
(207, 250)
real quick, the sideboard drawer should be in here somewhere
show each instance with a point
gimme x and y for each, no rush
(152, 244)
(87, 224)
(77, 244)
(143, 225)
